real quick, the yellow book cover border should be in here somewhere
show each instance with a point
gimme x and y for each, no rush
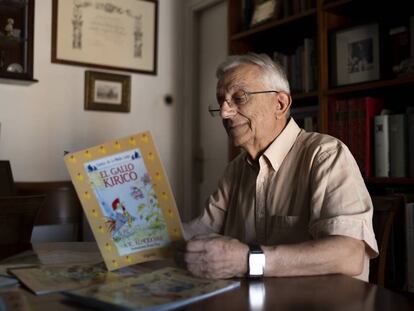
(144, 142)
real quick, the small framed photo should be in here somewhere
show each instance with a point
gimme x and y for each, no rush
(264, 10)
(355, 55)
(107, 91)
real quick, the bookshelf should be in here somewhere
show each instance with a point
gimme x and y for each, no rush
(321, 20)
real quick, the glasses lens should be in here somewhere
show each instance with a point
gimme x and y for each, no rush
(239, 98)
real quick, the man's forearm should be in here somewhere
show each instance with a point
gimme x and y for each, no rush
(333, 254)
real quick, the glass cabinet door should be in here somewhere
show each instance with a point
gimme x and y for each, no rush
(16, 39)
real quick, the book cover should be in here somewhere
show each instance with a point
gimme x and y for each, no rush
(398, 163)
(382, 150)
(163, 289)
(127, 200)
(47, 279)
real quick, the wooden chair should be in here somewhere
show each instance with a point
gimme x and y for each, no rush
(7, 187)
(61, 205)
(385, 212)
(17, 216)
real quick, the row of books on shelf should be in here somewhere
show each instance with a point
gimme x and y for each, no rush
(306, 117)
(378, 140)
(300, 66)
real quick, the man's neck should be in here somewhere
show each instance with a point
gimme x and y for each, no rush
(257, 148)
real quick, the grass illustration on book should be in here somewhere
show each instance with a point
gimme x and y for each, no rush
(162, 289)
(127, 200)
(47, 279)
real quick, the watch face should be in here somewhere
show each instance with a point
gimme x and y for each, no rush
(256, 264)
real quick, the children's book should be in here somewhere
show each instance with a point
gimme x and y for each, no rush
(127, 200)
(162, 289)
(47, 279)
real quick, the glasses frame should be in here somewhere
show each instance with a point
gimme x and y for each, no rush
(213, 111)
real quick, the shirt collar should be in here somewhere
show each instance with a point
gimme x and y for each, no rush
(280, 147)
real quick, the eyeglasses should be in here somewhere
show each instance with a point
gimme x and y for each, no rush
(239, 98)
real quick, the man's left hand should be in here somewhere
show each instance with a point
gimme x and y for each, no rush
(216, 257)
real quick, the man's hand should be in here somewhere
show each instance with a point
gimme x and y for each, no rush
(216, 257)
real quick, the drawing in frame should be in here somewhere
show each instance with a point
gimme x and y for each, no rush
(115, 34)
(107, 91)
(355, 55)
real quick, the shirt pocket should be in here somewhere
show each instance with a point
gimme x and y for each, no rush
(287, 229)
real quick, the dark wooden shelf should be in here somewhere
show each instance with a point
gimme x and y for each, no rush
(10, 42)
(381, 84)
(10, 4)
(274, 23)
(389, 181)
(305, 95)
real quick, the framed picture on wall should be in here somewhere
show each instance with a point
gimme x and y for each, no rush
(112, 34)
(355, 55)
(107, 91)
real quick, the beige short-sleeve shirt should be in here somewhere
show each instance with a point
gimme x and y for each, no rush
(305, 186)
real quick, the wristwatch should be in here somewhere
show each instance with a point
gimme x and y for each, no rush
(256, 261)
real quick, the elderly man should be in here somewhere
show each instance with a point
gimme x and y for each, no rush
(293, 203)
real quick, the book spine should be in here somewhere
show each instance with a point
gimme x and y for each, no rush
(353, 130)
(332, 108)
(371, 107)
(382, 160)
(342, 121)
(410, 132)
(397, 145)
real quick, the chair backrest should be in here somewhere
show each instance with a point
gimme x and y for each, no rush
(7, 187)
(385, 211)
(61, 205)
(17, 216)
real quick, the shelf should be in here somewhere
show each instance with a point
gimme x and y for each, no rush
(273, 24)
(10, 42)
(18, 80)
(389, 181)
(304, 96)
(12, 4)
(381, 84)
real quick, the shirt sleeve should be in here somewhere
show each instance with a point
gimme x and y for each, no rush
(340, 202)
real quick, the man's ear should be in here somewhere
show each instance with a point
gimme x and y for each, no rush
(284, 101)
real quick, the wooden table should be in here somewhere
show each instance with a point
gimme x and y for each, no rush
(335, 292)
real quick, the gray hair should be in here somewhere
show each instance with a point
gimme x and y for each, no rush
(274, 75)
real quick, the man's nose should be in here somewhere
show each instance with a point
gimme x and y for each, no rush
(227, 111)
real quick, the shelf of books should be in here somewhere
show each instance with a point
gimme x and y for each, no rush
(351, 69)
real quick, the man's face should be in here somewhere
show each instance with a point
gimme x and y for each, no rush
(254, 122)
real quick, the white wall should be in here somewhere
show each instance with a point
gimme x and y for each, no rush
(40, 121)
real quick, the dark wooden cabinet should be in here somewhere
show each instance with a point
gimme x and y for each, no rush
(16, 40)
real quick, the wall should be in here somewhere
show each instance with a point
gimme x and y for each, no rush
(40, 121)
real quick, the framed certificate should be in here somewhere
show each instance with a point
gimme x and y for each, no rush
(114, 34)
